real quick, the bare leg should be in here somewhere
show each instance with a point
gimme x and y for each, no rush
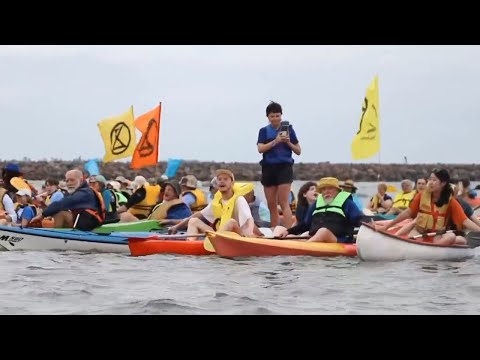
(271, 195)
(231, 225)
(3, 221)
(63, 219)
(445, 239)
(323, 235)
(195, 227)
(127, 217)
(283, 195)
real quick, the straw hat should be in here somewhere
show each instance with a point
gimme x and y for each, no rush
(328, 181)
(349, 184)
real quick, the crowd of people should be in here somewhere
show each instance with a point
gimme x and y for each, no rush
(327, 211)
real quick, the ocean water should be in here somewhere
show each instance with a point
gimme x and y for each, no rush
(92, 283)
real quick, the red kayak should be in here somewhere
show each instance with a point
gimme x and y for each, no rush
(155, 244)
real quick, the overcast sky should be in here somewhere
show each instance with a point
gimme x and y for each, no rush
(214, 99)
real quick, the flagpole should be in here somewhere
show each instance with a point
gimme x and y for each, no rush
(158, 145)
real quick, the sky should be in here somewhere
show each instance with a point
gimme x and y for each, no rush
(214, 99)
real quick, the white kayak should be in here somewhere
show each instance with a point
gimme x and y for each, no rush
(16, 238)
(374, 245)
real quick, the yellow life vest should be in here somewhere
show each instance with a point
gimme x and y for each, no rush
(224, 212)
(429, 216)
(3, 192)
(48, 199)
(402, 200)
(160, 211)
(144, 207)
(201, 201)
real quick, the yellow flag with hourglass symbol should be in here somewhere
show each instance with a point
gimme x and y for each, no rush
(366, 142)
(118, 134)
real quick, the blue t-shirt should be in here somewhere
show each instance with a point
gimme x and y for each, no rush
(56, 196)
(281, 152)
(26, 213)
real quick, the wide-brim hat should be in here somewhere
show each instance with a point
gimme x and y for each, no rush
(328, 181)
(175, 186)
(349, 184)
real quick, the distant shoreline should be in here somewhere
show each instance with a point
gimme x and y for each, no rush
(204, 170)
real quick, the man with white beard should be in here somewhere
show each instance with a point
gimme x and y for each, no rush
(331, 218)
(82, 208)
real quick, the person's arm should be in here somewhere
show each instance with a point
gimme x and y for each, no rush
(10, 214)
(263, 144)
(27, 216)
(67, 203)
(292, 141)
(134, 199)
(353, 213)
(304, 224)
(206, 213)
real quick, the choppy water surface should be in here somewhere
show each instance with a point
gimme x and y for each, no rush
(75, 283)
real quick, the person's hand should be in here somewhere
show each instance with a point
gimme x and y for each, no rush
(383, 227)
(173, 229)
(37, 218)
(283, 234)
(284, 138)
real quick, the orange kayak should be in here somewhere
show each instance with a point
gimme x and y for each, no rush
(229, 244)
(156, 245)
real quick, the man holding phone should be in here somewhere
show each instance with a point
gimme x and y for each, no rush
(276, 142)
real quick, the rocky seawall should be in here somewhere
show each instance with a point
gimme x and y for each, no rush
(204, 171)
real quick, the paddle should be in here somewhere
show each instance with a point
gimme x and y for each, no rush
(19, 183)
(392, 188)
(431, 234)
(172, 237)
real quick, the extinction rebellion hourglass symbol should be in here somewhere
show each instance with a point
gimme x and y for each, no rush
(120, 138)
(146, 147)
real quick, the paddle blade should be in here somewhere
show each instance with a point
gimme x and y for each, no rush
(392, 188)
(172, 167)
(19, 183)
(207, 245)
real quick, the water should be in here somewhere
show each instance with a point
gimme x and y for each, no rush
(75, 283)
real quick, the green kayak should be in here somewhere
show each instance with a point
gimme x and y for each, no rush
(141, 225)
(137, 226)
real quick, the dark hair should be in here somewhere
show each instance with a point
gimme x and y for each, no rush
(51, 182)
(465, 182)
(447, 191)
(301, 200)
(274, 108)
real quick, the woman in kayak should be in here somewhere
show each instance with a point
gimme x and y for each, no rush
(432, 210)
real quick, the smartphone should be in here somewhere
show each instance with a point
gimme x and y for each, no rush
(284, 128)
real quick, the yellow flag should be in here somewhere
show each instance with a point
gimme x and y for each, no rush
(118, 134)
(367, 140)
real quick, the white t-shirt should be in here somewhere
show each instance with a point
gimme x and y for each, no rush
(9, 208)
(241, 211)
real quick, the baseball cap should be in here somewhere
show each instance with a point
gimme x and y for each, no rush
(23, 192)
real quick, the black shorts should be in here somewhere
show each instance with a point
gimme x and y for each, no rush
(86, 221)
(277, 174)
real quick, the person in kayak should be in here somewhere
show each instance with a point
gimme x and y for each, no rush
(228, 211)
(331, 218)
(433, 210)
(82, 208)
